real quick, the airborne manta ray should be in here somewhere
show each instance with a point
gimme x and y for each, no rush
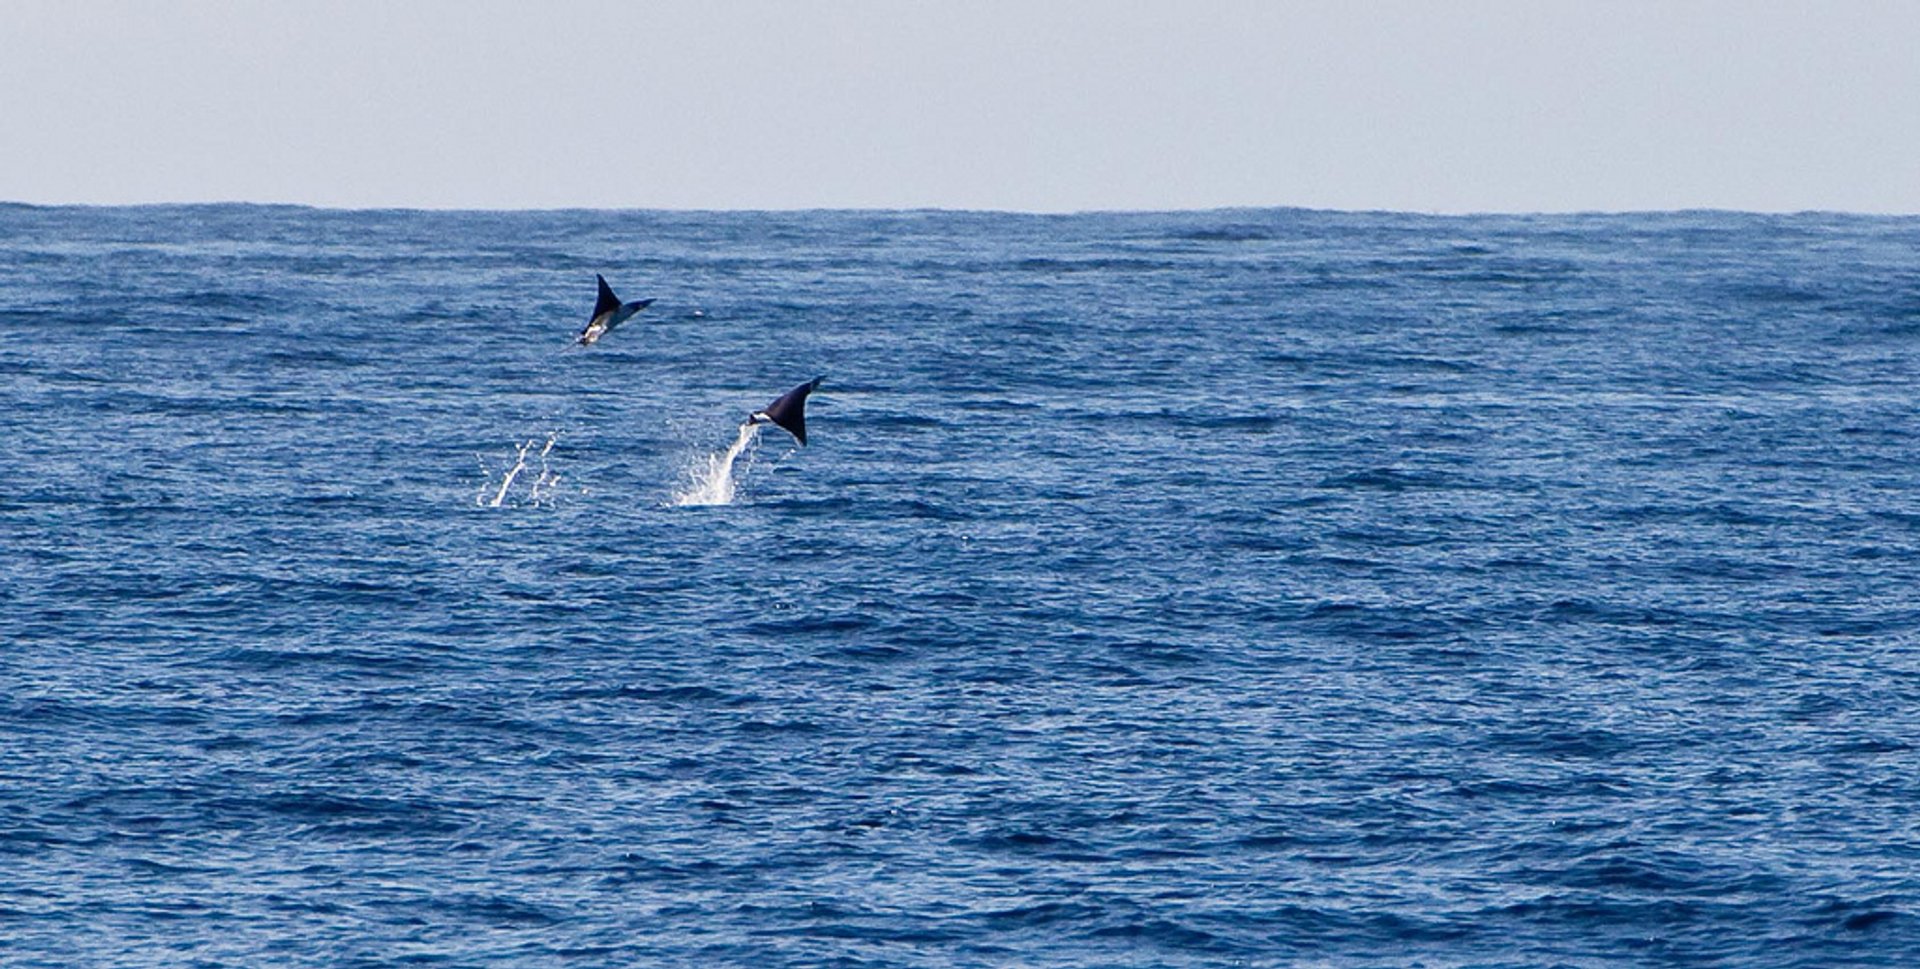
(608, 312)
(789, 411)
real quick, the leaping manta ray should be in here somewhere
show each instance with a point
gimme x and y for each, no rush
(608, 313)
(789, 411)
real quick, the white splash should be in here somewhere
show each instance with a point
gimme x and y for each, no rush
(710, 479)
(544, 483)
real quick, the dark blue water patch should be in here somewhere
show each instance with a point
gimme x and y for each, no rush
(225, 304)
(1226, 233)
(1869, 915)
(1393, 480)
(1054, 266)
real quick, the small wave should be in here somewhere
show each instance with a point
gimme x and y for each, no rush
(1169, 417)
(1041, 915)
(1038, 844)
(307, 356)
(649, 694)
(831, 625)
(1225, 233)
(147, 866)
(1873, 914)
(502, 910)
(1045, 264)
(1160, 932)
(1388, 479)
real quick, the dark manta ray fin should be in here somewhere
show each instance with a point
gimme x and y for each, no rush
(789, 410)
(607, 302)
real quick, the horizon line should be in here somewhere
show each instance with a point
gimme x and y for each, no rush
(962, 210)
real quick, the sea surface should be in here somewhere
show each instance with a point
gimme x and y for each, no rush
(1237, 588)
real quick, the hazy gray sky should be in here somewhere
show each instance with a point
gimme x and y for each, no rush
(1484, 105)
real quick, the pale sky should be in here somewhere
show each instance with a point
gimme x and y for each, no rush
(1034, 105)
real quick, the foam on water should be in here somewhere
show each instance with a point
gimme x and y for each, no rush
(710, 479)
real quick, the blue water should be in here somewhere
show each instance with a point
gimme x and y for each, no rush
(1245, 588)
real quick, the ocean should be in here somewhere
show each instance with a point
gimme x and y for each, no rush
(1234, 588)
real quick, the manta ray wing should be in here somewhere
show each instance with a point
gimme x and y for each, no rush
(607, 302)
(627, 311)
(789, 410)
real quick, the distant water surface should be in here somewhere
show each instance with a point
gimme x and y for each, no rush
(1241, 588)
